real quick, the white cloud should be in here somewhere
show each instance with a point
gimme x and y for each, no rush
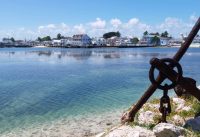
(98, 24)
(133, 21)
(115, 22)
(171, 22)
(133, 27)
(53, 29)
(175, 26)
(79, 29)
(193, 18)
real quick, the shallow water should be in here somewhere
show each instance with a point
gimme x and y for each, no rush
(42, 85)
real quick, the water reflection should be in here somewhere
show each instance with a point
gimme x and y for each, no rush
(85, 54)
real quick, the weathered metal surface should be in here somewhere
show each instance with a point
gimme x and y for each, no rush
(165, 106)
(182, 85)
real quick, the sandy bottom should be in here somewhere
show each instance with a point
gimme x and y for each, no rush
(82, 126)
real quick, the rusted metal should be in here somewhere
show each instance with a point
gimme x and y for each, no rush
(157, 64)
(184, 85)
(165, 106)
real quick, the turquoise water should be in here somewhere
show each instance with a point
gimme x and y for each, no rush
(44, 84)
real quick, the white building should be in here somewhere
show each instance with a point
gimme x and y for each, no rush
(98, 42)
(66, 41)
(113, 41)
(83, 38)
(56, 42)
(125, 41)
(165, 41)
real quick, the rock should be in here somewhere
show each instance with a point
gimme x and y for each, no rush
(155, 106)
(100, 134)
(109, 123)
(168, 130)
(198, 87)
(128, 131)
(186, 108)
(193, 123)
(146, 117)
(178, 120)
(179, 102)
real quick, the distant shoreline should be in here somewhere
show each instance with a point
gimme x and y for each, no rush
(88, 47)
(82, 47)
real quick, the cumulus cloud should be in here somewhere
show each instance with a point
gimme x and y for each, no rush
(131, 27)
(133, 21)
(98, 24)
(53, 29)
(175, 26)
(115, 22)
(79, 29)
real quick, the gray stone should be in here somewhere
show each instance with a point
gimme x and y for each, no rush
(146, 117)
(168, 130)
(178, 120)
(179, 102)
(128, 131)
(193, 123)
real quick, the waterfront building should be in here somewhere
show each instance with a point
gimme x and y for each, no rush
(176, 42)
(82, 39)
(56, 42)
(66, 41)
(47, 43)
(113, 41)
(7, 41)
(98, 41)
(125, 41)
(146, 40)
(164, 41)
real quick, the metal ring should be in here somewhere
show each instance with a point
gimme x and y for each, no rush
(172, 64)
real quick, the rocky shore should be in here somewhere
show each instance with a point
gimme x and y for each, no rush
(184, 121)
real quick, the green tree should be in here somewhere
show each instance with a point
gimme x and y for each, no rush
(59, 36)
(39, 39)
(134, 40)
(157, 34)
(164, 34)
(145, 33)
(155, 41)
(111, 34)
(12, 39)
(47, 38)
(118, 34)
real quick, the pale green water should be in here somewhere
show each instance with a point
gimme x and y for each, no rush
(45, 84)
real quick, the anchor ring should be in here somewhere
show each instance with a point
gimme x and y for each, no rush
(172, 64)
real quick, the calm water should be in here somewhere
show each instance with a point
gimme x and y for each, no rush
(43, 84)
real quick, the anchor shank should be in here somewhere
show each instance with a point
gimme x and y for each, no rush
(160, 79)
(187, 42)
(149, 92)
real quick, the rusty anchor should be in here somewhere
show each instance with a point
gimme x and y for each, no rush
(181, 85)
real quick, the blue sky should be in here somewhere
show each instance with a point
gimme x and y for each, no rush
(30, 18)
